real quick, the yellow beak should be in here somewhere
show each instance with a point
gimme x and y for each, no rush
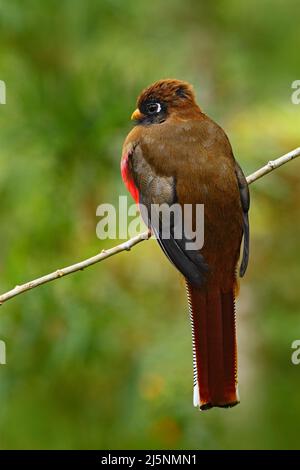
(136, 115)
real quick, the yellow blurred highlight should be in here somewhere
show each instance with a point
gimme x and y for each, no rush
(152, 386)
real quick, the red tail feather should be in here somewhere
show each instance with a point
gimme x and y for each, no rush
(214, 347)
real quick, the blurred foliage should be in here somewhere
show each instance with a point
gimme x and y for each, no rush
(102, 359)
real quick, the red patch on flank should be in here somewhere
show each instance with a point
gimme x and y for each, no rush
(127, 177)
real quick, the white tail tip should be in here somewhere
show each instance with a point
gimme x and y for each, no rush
(196, 398)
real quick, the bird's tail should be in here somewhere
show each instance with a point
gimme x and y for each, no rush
(214, 347)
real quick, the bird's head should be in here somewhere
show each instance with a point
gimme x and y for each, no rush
(162, 100)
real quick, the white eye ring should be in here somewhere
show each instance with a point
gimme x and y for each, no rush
(157, 108)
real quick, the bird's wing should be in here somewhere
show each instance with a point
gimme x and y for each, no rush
(157, 190)
(245, 201)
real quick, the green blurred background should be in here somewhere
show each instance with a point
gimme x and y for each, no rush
(102, 359)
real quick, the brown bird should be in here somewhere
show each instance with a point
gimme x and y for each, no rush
(176, 154)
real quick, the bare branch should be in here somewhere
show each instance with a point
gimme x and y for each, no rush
(126, 246)
(273, 164)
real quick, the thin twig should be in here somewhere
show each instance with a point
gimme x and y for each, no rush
(272, 165)
(126, 246)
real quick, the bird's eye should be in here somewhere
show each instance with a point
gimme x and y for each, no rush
(153, 108)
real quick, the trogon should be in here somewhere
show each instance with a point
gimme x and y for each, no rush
(176, 154)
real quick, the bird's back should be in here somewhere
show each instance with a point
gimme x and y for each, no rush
(198, 154)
